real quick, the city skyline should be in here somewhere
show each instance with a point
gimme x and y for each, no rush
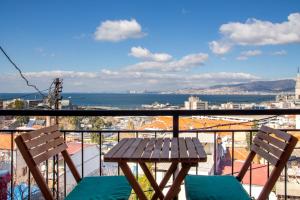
(119, 46)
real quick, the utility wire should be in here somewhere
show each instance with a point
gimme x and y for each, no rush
(237, 123)
(21, 74)
(262, 166)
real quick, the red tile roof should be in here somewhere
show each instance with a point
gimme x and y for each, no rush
(74, 147)
(5, 141)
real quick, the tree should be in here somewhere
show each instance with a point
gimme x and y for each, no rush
(22, 119)
(75, 121)
(98, 123)
(255, 126)
(145, 184)
(17, 104)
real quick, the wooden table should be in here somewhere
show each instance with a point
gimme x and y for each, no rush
(187, 151)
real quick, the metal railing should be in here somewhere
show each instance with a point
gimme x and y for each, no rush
(175, 132)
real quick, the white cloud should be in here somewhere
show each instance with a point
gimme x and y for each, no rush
(143, 53)
(246, 54)
(109, 72)
(251, 53)
(226, 76)
(183, 64)
(60, 74)
(242, 58)
(279, 53)
(120, 80)
(255, 32)
(118, 30)
(258, 32)
(219, 48)
(173, 80)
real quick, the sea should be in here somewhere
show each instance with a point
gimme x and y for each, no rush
(133, 101)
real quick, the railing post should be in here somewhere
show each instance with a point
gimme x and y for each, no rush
(65, 171)
(175, 125)
(82, 154)
(175, 134)
(232, 153)
(215, 152)
(250, 189)
(100, 152)
(12, 185)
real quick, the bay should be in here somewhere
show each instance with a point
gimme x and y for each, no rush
(124, 101)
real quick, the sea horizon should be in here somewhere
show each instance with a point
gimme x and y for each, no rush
(126, 100)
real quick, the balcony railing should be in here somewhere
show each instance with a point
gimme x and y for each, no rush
(223, 163)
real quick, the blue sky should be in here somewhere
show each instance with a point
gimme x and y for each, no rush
(102, 46)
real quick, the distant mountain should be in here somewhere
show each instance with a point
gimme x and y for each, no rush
(255, 87)
(287, 85)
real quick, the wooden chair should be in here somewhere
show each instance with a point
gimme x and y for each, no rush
(273, 145)
(40, 145)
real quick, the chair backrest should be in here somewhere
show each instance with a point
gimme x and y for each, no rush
(276, 147)
(40, 145)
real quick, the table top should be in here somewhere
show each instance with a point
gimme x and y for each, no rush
(188, 150)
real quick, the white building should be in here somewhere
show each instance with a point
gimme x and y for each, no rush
(297, 98)
(194, 103)
(297, 88)
(230, 105)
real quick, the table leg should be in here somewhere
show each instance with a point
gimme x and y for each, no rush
(131, 179)
(166, 178)
(152, 181)
(173, 191)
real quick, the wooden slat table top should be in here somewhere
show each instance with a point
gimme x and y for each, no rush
(188, 150)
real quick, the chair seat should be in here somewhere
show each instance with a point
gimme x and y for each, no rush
(214, 188)
(101, 188)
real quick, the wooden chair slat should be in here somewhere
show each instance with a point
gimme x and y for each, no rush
(199, 148)
(34, 169)
(280, 134)
(272, 140)
(157, 149)
(191, 148)
(174, 148)
(115, 149)
(268, 144)
(132, 148)
(165, 149)
(37, 133)
(45, 147)
(268, 147)
(273, 160)
(44, 144)
(43, 139)
(48, 154)
(182, 148)
(274, 175)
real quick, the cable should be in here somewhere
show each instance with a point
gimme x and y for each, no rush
(262, 166)
(237, 123)
(21, 74)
